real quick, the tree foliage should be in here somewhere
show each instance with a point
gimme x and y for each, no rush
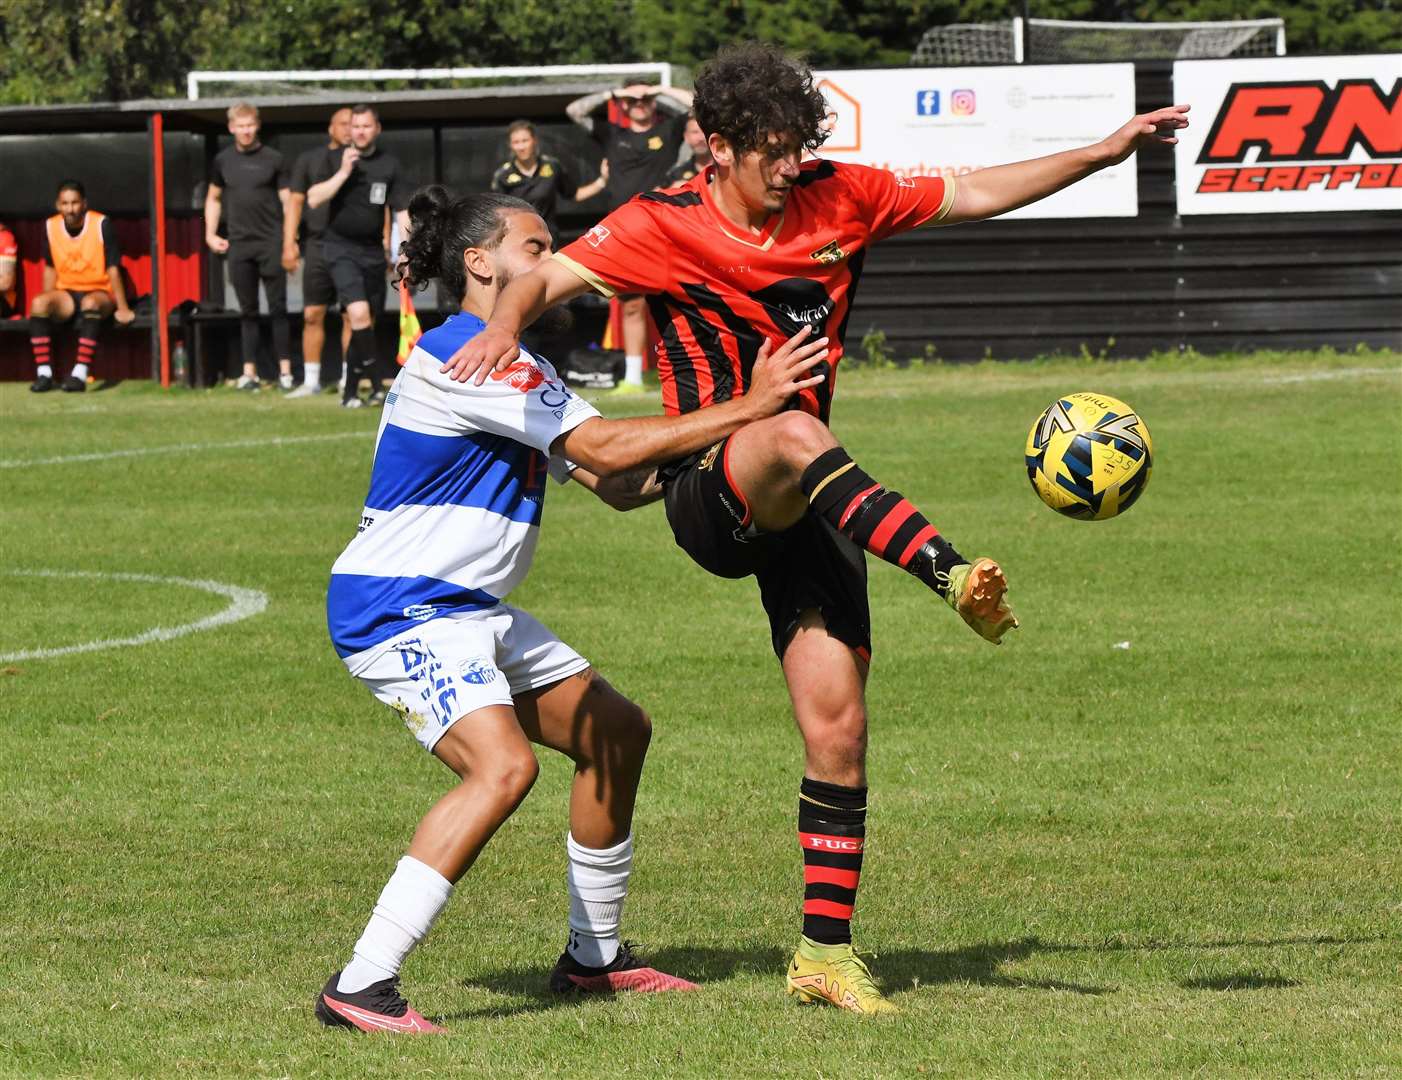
(93, 50)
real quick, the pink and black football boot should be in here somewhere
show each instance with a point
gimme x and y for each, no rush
(379, 1007)
(628, 971)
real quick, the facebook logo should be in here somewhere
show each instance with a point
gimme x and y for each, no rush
(927, 102)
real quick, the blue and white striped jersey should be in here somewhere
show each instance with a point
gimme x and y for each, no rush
(451, 520)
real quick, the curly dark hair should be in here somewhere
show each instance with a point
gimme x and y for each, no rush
(753, 90)
(443, 227)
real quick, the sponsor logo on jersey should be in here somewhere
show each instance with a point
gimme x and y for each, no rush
(597, 235)
(513, 178)
(522, 375)
(420, 612)
(478, 671)
(828, 253)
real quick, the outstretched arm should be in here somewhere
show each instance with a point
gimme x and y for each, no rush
(987, 193)
(519, 305)
(609, 447)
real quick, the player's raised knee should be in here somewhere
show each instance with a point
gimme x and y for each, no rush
(800, 437)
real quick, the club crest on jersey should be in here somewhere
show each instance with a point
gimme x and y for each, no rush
(655, 143)
(828, 253)
(522, 375)
(597, 235)
(546, 171)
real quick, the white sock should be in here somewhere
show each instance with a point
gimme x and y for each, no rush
(633, 370)
(598, 884)
(405, 913)
(80, 372)
(312, 376)
(44, 369)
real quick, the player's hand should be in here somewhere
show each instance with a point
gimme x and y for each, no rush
(1158, 127)
(123, 316)
(348, 159)
(217, 244)
(492, 348)
(774, 379)
(289, 258)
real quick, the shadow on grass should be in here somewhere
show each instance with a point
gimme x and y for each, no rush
(1246, 980)
(899, 969)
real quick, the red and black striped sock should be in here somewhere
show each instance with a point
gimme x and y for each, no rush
(40, 340)
(882, 521)
(831, 832)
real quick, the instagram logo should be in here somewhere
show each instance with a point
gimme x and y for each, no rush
(961, 103)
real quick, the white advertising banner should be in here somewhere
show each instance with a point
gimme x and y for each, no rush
(1289, 134)
(951, 121)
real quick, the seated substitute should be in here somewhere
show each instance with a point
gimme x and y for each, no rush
(9, 273)
(83, 277)
(416, 612)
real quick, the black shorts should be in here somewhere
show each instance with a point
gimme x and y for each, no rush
(78, 294)
(318, 290)
(357, 272)
(809, 566)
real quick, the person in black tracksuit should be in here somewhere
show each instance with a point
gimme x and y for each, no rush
(248, 188)
(357, 182)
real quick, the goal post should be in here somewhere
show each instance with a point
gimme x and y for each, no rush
(1059, 41)
(314, 82)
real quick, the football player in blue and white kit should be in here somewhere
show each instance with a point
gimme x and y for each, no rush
(416, 609)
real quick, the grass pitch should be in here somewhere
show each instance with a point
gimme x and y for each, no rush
(1156, 833)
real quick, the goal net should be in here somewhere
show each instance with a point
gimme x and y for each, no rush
(338, 83)
(1058, 41)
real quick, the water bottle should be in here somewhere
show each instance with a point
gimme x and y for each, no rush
(179, 364)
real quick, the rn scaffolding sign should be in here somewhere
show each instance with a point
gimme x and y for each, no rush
(1278, 136)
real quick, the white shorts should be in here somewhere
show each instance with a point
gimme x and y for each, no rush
(438, 672)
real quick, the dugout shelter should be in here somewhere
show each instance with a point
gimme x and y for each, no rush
(146, 163)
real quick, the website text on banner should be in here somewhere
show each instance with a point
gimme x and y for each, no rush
(1301, 133)
(951, 121)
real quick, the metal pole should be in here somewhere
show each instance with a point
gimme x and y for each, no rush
(160, 337)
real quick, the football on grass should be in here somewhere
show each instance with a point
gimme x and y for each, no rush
(1089, 456)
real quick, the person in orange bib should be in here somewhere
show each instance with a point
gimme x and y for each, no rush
(83, 277)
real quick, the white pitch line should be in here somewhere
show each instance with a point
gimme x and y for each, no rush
(1330, 374)
(180, 448)
(243, 604)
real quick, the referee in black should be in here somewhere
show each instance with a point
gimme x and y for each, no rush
(541, 179)
(252, 179)
(357, 182)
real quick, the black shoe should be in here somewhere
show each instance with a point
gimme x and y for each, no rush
(74, 385)
(42, 384)
(379, 1007)
(628, 971)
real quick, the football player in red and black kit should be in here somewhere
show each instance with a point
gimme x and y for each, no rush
(757, 247)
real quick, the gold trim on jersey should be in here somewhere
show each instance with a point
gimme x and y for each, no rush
(769, 243)
(950, 187)
(595, 282)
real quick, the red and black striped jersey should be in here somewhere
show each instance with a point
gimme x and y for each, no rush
(715, 295)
